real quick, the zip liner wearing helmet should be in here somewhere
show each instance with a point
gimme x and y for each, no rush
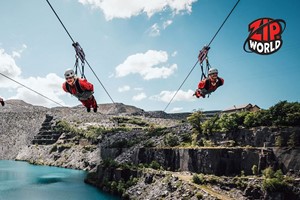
(209, 78)
(80, 88)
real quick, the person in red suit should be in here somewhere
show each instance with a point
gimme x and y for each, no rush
(210, 84)
(81, 89)
(2, 101)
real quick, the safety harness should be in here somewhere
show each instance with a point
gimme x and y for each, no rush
(81, 55)
(204, 72)
(80, 93)
(208, 82)
(77, 86)
(201, 57)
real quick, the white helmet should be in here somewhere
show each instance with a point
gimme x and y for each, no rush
(212, 71)
(69, 73)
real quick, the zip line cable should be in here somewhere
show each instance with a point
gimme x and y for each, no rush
(84, 57)
(31, 89)
(198, 59)
(60, 21)
(181, 86)
(223, 23)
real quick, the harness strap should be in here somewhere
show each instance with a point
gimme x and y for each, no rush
(208, 82)
(77, 87)
(201, 57)
(79, 51)
(81, 55)
(203, 53)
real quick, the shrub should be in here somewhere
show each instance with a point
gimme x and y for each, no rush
(149, 143)
(155, 131)
(207, 143)
(273, 181)
(278, 141)
(171, 140)
(198, 179)
(53, 149)
(292, 142)
(109, 163)
(186, 137)
(123, 143)
(154, 164)
(199, 196)
(64, 126)
(92, 132)
(254, 170)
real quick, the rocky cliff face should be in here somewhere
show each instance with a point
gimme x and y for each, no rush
(19, 123)
(132, 135)
(219, 161)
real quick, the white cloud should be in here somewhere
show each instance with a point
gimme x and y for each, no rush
(128, 8)
(49, 86)
(139, 97)
(8, 65)
(154, 30)
(19, 52)
(124, 88)
(167, 23)
(138, 89)
(16, 54)
(177, 109)
(166, 96)
(174, 53)
(146, 65)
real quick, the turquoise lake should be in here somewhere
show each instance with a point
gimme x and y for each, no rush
(22, 181)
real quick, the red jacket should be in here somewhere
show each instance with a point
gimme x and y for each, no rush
(206, 84)
(84, 86)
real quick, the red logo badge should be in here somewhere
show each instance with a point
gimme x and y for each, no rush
(265, 36)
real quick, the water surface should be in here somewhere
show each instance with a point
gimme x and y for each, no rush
(22, 181)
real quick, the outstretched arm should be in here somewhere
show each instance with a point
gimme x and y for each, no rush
(201, 84)
(64, 87)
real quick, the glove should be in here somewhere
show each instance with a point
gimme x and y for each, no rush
(198, 94)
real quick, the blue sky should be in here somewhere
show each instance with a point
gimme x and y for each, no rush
(143, 50)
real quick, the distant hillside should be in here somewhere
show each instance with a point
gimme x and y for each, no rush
(21, 121)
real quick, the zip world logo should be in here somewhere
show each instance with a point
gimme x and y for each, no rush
(265, 36)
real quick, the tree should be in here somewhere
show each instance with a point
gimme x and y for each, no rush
(228, 122)
(196, 119)
(259, 118)
(285, 113)
(210, 125)
(273, 181)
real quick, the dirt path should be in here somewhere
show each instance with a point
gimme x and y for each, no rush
(208, 190)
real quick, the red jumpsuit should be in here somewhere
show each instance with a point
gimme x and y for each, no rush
(203, 89)
(85, 86)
